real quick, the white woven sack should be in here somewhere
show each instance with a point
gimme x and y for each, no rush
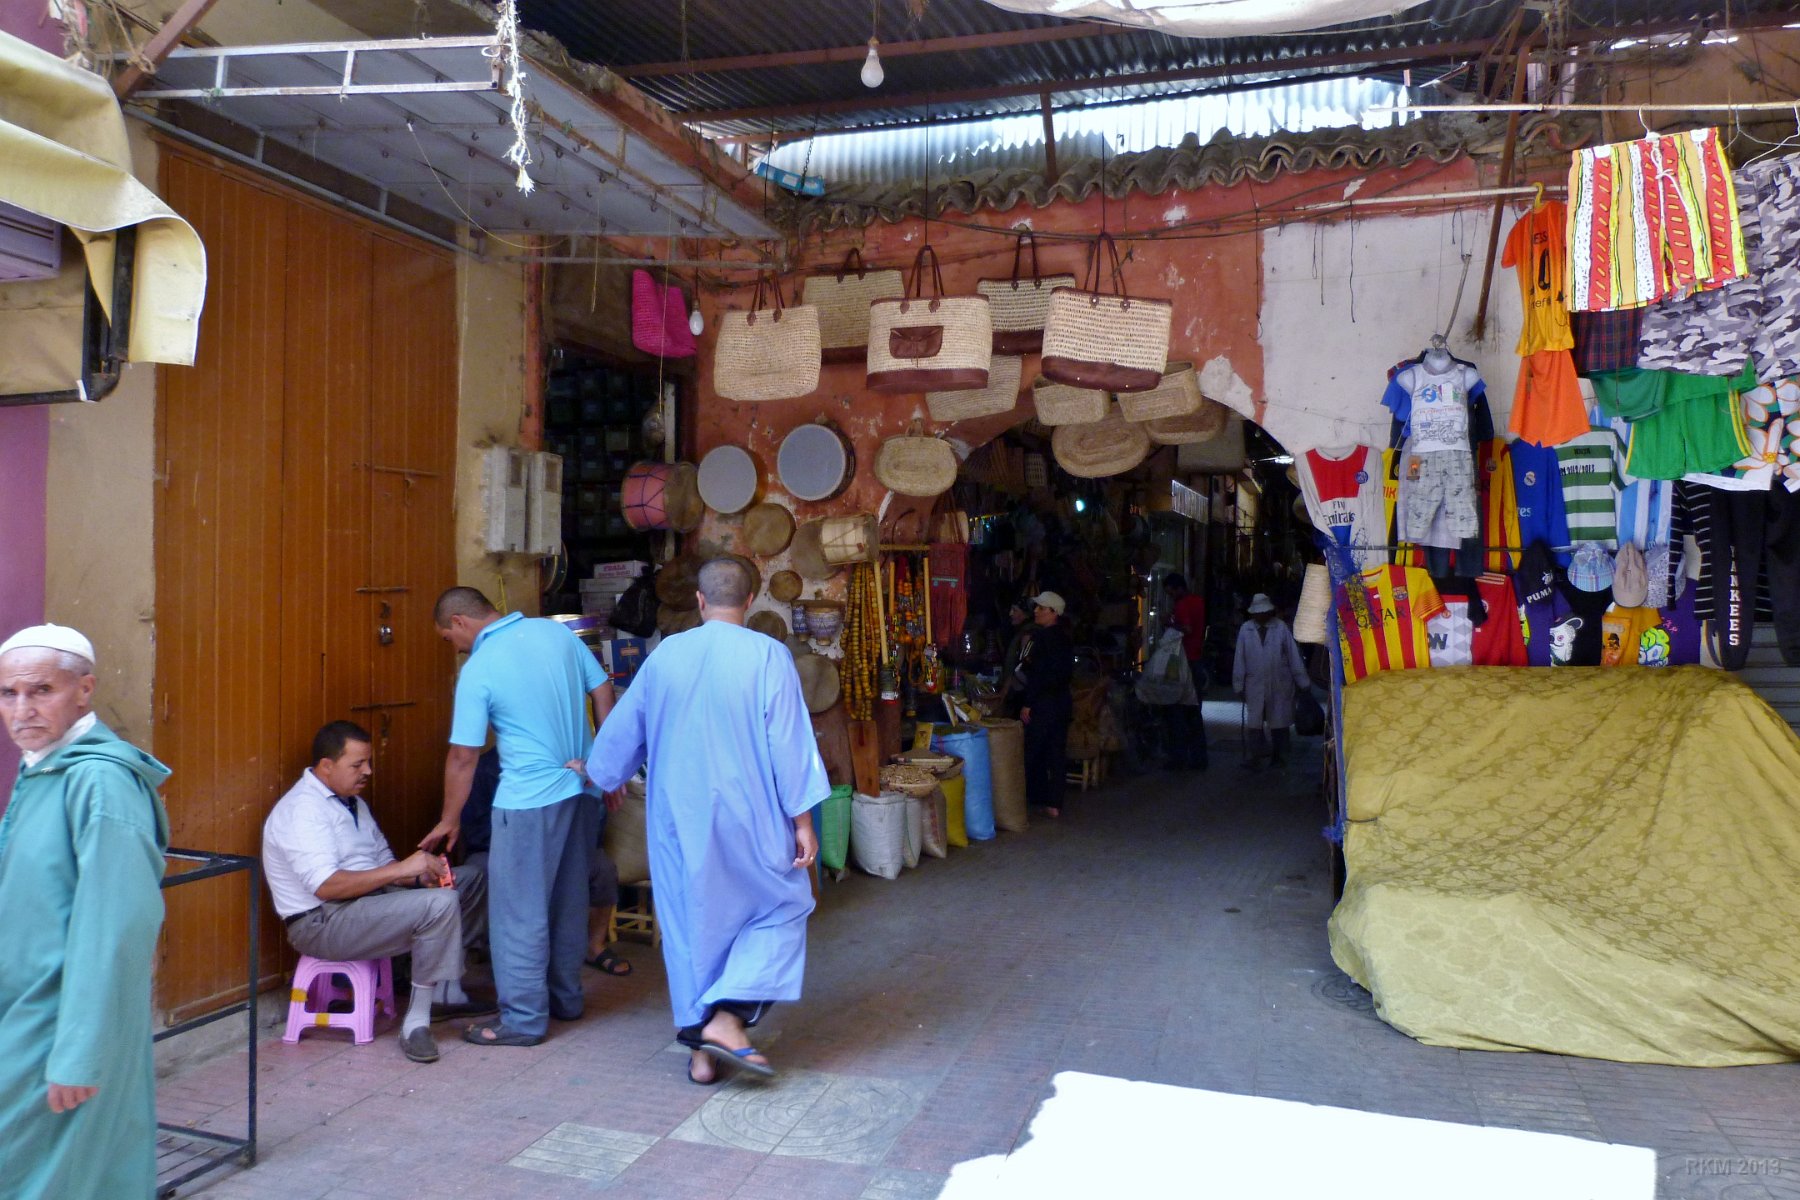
(929, 341)
(843, 298)
(1178, 395)
(1112, 341)
(1001, 395)
(1060, 404)
(915, 829)
(934, 811)
(767, 354)
(878, 833)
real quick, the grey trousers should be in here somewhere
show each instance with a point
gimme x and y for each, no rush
(431, 924)
(540, 860)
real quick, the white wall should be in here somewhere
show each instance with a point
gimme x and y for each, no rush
(1342, 303)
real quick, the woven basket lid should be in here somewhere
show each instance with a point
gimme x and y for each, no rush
(818, 681)
(808, 554)
(768, 528)
(1104, 447)
(676, 581)
(1203, 425)
(785, 586)
(915, 465)
(729, 479)
(770, 623)
(670, 621)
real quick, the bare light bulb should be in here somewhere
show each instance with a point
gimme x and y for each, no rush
(696, 323)
(872, 74)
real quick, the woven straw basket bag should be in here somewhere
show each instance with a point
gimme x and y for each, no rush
(924, 343)
(843, 298)
(767, 354)
(1105, 447)
(1202, 425)
(1098, 339)
(1060, 404)
(1177, 395)
(916, 465)
(1020, 306)
(1001, 395)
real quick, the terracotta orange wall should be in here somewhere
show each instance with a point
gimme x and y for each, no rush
(1214, 281)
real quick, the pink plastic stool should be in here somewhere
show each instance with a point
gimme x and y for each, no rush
(371, 987)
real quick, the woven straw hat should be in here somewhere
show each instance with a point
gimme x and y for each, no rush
(768, 528)
(770, 623)
(785, 586)
(818, 681)
(1315, 603)
(1104, 447)
(808, 553)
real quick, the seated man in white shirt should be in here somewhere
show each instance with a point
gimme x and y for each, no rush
(344, 896)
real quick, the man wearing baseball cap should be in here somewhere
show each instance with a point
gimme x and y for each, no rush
(81, 864)
(1045, 670)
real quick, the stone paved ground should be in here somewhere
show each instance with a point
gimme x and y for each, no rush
(1172, 931)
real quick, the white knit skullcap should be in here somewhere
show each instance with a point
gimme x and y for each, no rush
(50, 637)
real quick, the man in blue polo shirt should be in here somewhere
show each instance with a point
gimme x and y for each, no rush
(528, 680)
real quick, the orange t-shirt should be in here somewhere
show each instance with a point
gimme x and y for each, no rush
(1539, 248)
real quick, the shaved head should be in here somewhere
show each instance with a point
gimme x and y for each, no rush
(461, 602)
(725, 583)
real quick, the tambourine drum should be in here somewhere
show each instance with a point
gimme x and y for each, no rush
(808, 554)
(785, 586)
(752, 570)
(771, 623)
(768, 528)
(815, 462)
(662, 496)
(729, 479)
(818, 681)
(671, 621)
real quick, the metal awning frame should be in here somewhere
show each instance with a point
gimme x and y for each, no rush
(579, 151)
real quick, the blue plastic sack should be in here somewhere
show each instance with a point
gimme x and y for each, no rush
(971, 745)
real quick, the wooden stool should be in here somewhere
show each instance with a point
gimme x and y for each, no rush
(639, 919)
(1086, 772)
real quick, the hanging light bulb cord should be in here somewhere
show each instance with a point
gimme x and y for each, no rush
(872, 72)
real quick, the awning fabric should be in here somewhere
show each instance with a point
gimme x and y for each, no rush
(63, 140)
(1211, 18)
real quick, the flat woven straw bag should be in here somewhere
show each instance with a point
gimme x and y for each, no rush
(930, 342)
(1202, 425)
(916, 465)
(843, 298)
(1001, 395)
(1021, 305)
(1315, 603)
(1177, 395)
(1108, 340)
(1105, 447)
(767, 354)
(1060, 404)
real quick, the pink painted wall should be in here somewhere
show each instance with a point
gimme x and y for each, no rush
(24, 457)
(29, 20)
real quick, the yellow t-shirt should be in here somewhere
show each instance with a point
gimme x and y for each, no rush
(1622, 632)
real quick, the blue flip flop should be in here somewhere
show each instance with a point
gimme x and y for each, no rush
(738, 1058)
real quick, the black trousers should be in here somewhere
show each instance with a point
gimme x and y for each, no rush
(1047, 752)
(1754, 532)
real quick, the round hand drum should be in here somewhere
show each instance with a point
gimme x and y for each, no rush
(815, 462)
(661, 496)
(729, 480)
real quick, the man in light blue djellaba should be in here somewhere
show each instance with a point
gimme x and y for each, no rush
(530, 681)
(733, 772)
(81, 864)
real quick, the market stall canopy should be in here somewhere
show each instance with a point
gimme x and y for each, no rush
(1211, 18)
(63, 140)
(415, 132)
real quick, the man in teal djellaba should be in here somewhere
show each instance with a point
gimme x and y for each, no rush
(81, 864)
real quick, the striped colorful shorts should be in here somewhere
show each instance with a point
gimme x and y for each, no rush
(1651, 219)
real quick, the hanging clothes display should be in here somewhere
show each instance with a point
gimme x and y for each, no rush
(1343, 493)
(1434, 402)
(1547, 406)
(1381, 620)
(1650, 219)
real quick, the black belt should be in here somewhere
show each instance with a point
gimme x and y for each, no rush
(309, 912)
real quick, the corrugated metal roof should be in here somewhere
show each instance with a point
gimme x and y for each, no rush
(654, 31)
(1003, 143)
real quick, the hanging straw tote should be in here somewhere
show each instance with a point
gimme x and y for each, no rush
(1060, 404)
(1001, 395)
(767, 354)
(1105, 447)
(1176, 395)
(843, 298)
(1021, 306)
(1108, 340)
(923, 343)
(916, 465)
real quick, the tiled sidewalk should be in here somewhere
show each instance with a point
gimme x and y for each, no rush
(1172, 930)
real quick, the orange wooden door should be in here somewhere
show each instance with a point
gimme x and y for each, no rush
(307, 463)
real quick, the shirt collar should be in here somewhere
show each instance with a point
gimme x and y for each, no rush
(78, 730)
(351, 804)
(502, 623)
